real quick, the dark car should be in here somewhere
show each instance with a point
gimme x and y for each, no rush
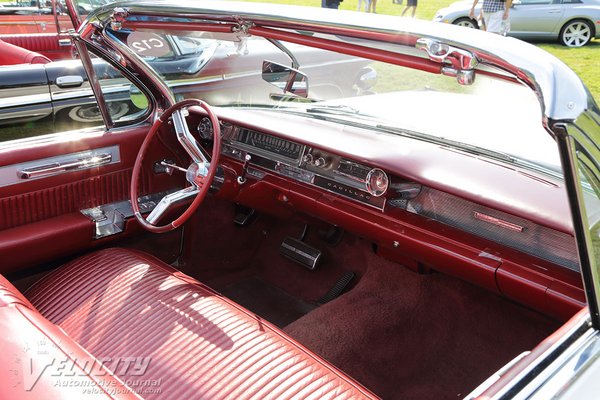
(279, 232)
(45, 98)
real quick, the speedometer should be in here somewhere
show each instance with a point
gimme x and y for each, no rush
(271, 144)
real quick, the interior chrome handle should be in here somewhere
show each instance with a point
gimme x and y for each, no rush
(64, 42)
(57, 167)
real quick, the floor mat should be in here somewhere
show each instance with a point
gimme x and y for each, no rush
(267, 301)
(410, 336)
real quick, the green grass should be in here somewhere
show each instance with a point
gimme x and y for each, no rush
(584, 61)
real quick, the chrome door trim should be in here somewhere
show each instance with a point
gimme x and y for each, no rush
(71, 164)
(57, 165)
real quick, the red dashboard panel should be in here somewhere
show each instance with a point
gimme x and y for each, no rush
(425, 163)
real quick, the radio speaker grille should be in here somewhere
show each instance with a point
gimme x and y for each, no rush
(509, 230)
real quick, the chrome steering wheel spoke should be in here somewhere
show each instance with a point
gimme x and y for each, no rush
(171, 200)
(185, 138)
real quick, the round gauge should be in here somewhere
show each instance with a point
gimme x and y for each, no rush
(205, 128)
(377, 182)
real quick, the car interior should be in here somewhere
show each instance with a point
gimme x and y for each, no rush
(415, 287)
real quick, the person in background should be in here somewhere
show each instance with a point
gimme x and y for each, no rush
(335, 4)
(495, 15)
(367, 5)
(373, 6)
(410, 4)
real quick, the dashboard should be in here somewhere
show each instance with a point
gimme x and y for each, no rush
(328, 171)
(407, 219)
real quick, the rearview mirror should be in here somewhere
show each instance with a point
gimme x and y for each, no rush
(285, 78)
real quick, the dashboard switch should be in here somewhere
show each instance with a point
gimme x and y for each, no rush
(242, 178)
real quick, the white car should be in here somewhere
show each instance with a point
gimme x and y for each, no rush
(573, 22)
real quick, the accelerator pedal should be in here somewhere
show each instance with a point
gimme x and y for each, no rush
(300, 252)
(337, 289)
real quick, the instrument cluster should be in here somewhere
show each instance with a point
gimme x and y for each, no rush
(326, 170)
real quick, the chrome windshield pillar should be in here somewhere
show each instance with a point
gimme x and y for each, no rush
(579, 155)
(86, 60)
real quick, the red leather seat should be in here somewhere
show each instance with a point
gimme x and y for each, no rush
(37, 356)
(42, 44)
(11, 54)
(118, 303)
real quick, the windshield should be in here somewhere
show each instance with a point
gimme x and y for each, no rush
(225, 69)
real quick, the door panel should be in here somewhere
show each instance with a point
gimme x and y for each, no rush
(535, 18)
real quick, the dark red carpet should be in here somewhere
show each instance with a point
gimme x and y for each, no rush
(410, 336)
(403, 335)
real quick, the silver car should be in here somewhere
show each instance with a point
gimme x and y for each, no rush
(573, 22)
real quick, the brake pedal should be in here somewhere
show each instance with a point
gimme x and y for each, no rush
(300, 252)
(337, 289)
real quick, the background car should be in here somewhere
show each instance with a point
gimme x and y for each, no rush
(42, 26)
(573, 22)
(53, 97)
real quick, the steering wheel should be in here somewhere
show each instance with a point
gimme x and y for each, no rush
(199, 174)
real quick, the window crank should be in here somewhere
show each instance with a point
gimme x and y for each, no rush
(242, 178)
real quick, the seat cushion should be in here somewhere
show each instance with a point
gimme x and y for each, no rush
(119, 304)
(41, 362)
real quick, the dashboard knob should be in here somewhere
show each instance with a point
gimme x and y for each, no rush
(320, 162)
(307, 158)
(377, 182)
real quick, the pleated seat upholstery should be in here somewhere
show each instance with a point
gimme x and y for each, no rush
(121, 304)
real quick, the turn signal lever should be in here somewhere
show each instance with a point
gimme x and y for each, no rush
(242, 178)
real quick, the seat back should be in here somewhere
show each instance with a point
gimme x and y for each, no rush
(11, 55)
(52, 45)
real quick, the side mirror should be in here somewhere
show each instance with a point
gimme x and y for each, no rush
(285, 78)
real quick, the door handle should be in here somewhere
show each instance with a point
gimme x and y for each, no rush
(60, 167)
(64, 42)
(69, 81)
